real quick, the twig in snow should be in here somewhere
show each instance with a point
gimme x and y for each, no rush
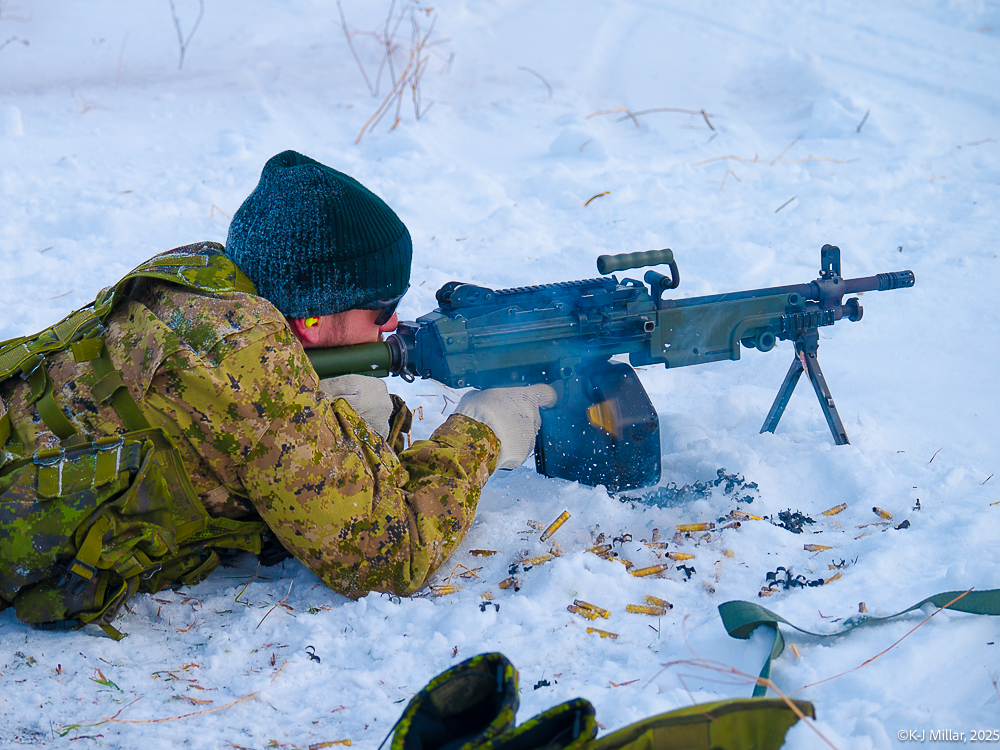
(611, 111)
(12, 39)
(776, 158)
(935, 455)
(539, 77)
(181, 41)
(864, 119)
(411, 75)
(821, 158)
(174, 718)
(593, 197)
(350, 43)
(980, 143)
(755, 159)
(729, 172)
(785, 203)
(279, 604)
(85, 104)
(885, 650)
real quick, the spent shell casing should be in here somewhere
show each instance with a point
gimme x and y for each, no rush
(482, 552)
(704, 526)
(583, 612)
(445, 590)
(882, 513)
(835, 510)
(601, 612)
(506, 583)
(645, 609)
(678, 556)
(538, 560)
(657, 602)
(815, 547)
(600, 549)
(554, 526)
(603, 633)
(656, 545)
(650, 571)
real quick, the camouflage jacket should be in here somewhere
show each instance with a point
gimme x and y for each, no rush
(226, 379)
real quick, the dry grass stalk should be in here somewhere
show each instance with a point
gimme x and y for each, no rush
(635, 115)
(86, 104)
(181, 41)
(415, 54)
(538, 76)
(611, 111)
(116, 720)
(885, 650)
(279, 604)
(729, 172)
(776, 158)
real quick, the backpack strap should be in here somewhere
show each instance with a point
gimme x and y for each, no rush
(202, 267)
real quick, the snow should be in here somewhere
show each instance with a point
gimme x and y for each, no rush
(110, 154)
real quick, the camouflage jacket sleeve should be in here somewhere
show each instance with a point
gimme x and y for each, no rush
(340, 499)
(334, 492)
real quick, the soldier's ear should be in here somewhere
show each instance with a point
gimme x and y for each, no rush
(306, 330)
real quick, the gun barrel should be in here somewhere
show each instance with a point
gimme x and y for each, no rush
(814, 290)
(882, 282)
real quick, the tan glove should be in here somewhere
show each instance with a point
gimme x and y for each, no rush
(369, 397)
(512, 414)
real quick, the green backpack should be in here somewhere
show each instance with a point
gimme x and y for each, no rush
(85, 526)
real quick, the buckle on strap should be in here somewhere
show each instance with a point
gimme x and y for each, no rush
(49, 457)
(35, 361)
(77, 575)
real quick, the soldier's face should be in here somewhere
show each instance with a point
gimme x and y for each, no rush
(342, 329)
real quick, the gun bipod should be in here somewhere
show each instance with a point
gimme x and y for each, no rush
(809, 362)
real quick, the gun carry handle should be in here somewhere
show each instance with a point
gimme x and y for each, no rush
(610, 263)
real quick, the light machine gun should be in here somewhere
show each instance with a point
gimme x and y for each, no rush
(603, 428)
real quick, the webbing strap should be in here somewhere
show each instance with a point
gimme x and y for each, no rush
(742, 618)
(48, 409)
(110, 385)
(87, 557)
(87, 349)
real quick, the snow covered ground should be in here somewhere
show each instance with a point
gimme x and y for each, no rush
(109, 154)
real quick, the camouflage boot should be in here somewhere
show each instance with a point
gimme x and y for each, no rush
(568, 726)
(465, 707)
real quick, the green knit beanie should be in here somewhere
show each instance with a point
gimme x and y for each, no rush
(315, 242)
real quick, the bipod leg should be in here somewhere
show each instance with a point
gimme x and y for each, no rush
(784, 393)
(829, 408)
